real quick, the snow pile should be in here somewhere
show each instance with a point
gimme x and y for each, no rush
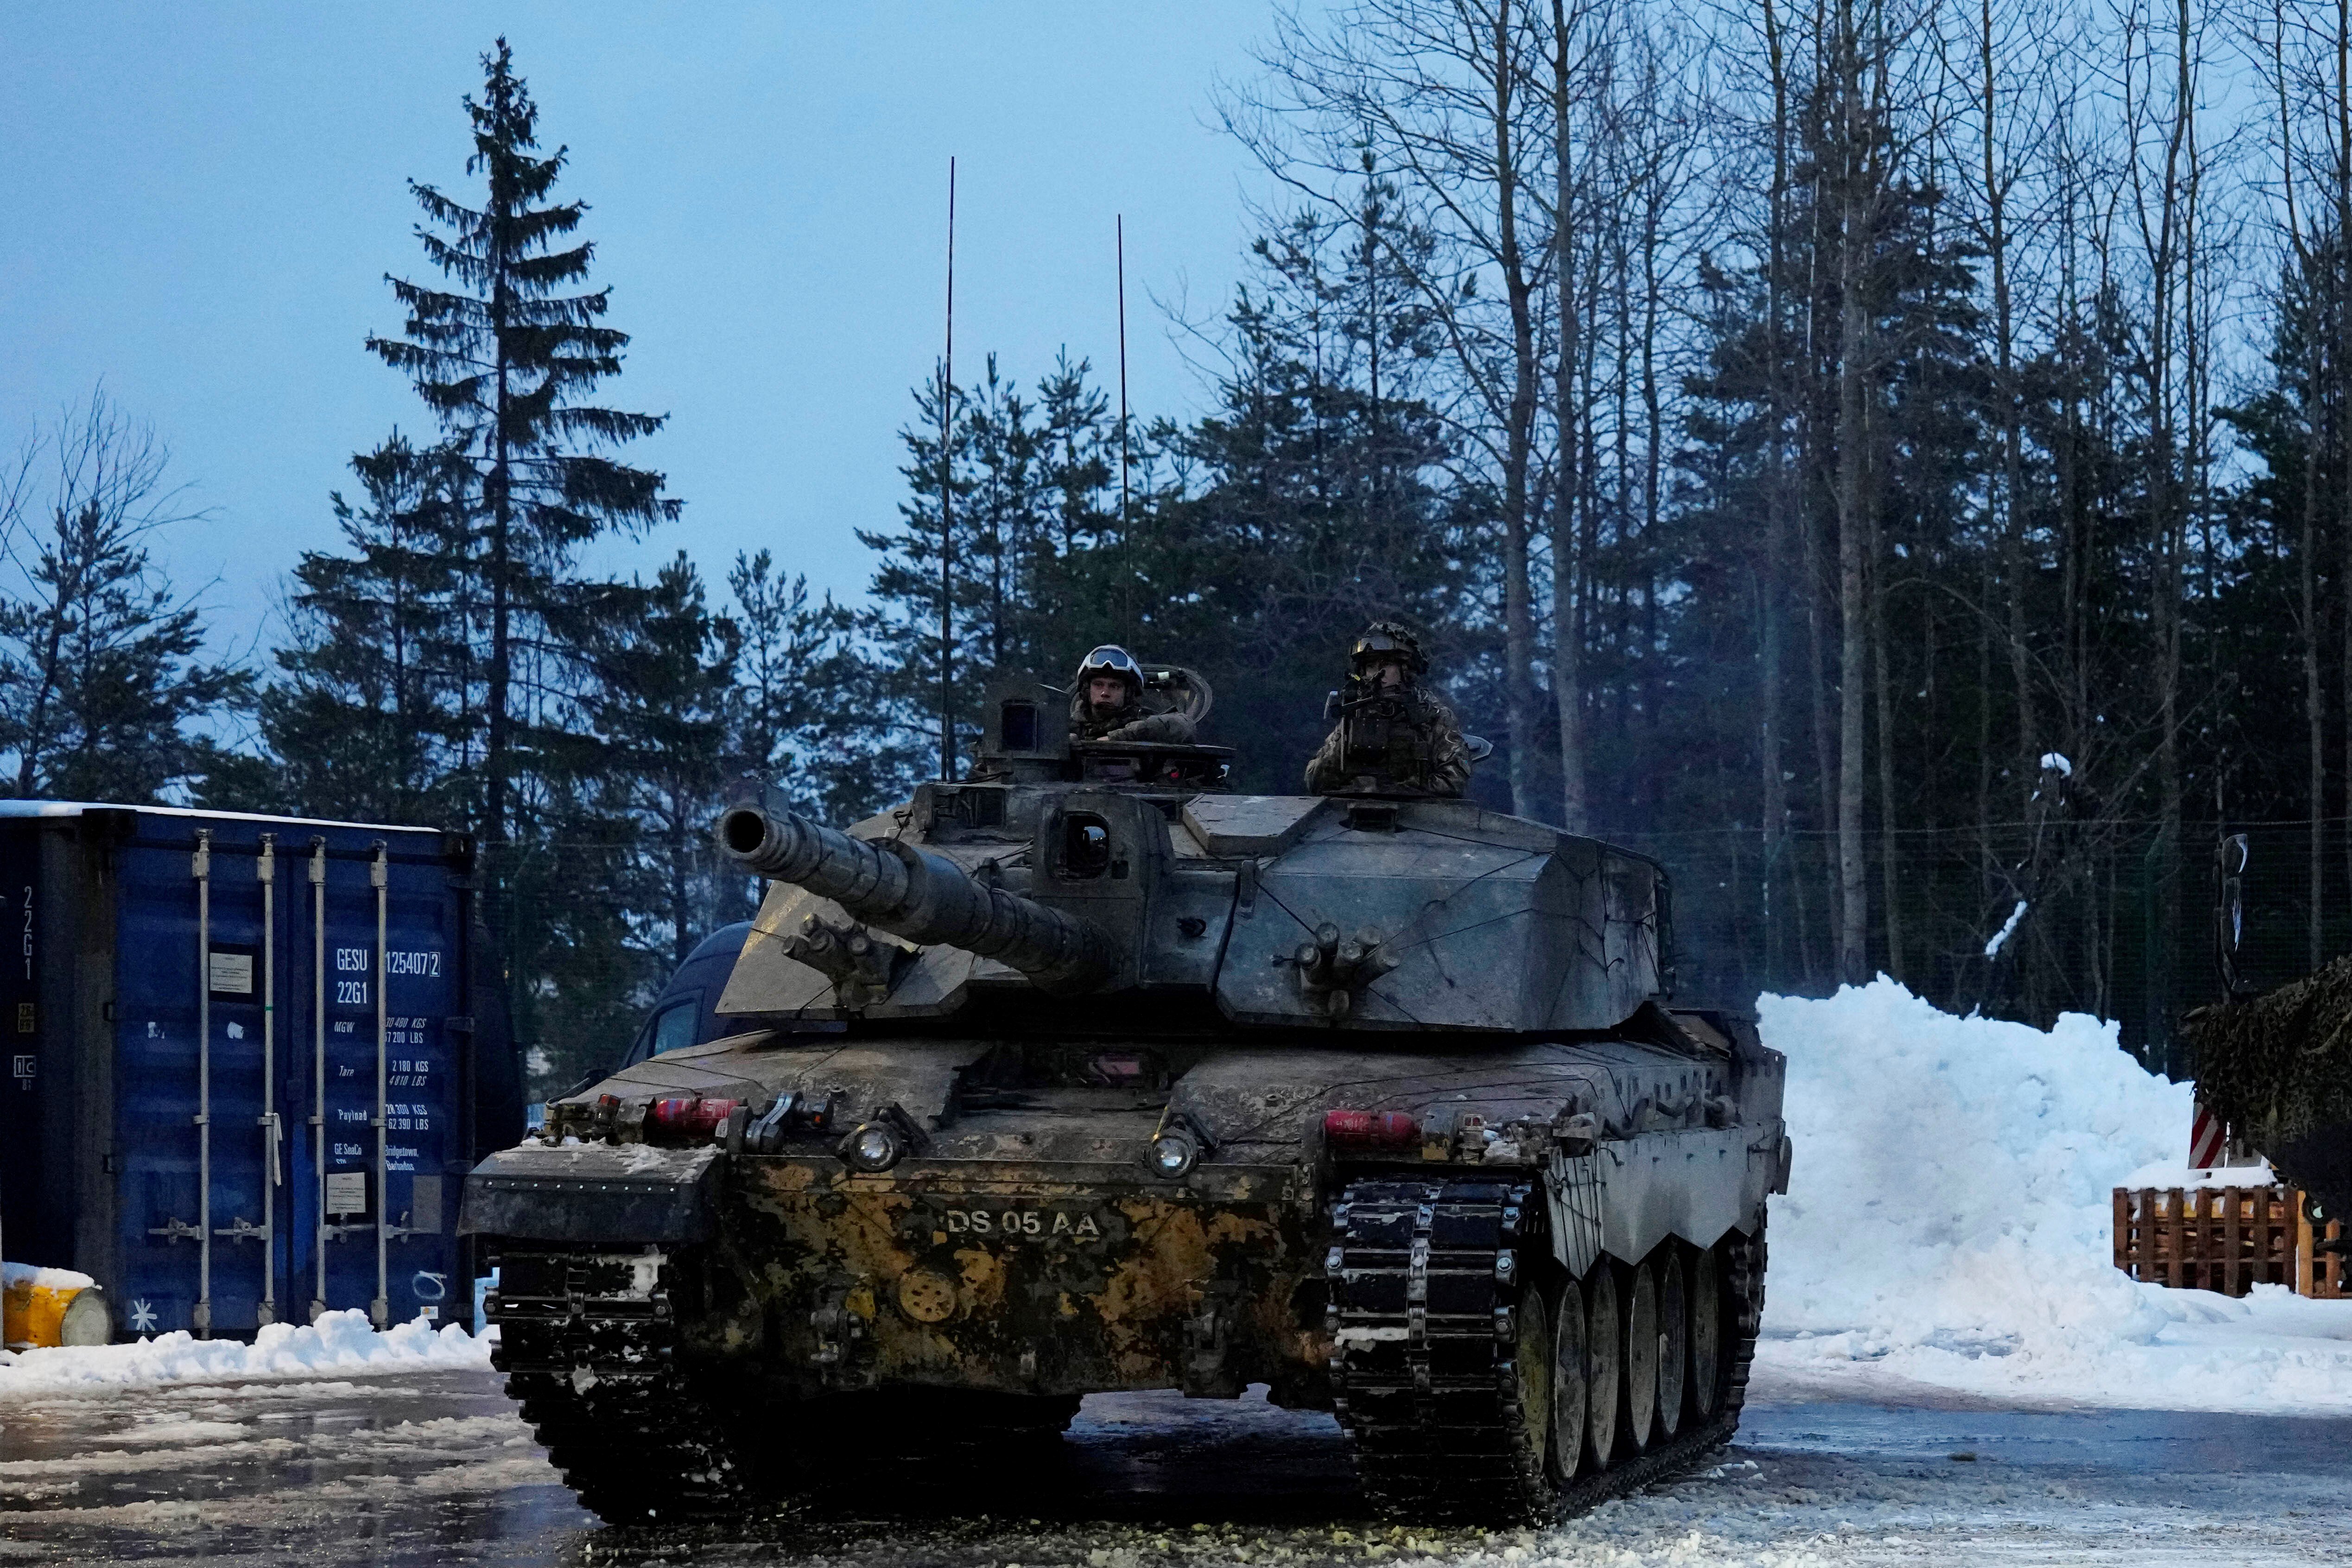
(339, 1342)
(1949, 1221)
(23, 1275)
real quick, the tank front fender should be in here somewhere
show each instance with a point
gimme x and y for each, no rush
(598, 1194)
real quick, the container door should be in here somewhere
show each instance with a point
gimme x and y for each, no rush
(199, 1157)
(379, 1086)
(30, 1076)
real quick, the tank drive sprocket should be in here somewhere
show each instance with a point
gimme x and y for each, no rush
(588, 1343)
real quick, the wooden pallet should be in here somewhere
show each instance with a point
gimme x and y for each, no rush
(2228, 1239)
(2325, 1275)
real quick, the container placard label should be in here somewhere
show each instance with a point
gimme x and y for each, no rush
(346, 1192)
(230, 972)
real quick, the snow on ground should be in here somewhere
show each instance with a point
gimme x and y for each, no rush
(339, 1342)
(1950, 1222)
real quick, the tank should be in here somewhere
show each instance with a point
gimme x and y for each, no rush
(1084, 1074)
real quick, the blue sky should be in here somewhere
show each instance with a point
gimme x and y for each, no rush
(202, 203)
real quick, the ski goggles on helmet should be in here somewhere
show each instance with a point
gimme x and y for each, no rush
(1112, 661)
(1379, 646)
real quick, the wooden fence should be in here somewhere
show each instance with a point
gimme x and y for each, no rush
(2228, 1239)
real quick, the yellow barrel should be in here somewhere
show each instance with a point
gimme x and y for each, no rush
(45, 1308)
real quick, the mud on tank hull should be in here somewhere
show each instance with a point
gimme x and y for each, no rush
(1395, 1230)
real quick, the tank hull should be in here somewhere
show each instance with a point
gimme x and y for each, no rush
(1024, 1249)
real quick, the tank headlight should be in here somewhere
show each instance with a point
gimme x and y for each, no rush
(1174, 1153)
(873, 1146)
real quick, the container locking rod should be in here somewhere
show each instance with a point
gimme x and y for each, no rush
(201, 1318)
(266, 870)
(318, 1070)
(380, 1310)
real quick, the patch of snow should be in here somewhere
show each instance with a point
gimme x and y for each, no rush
(17, 1276)
(1949, 1222)
(2058, 760)
(339, 1342)
(2000, 938)
(2163, 1173)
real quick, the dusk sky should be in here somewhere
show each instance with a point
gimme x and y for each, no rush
(203, 201)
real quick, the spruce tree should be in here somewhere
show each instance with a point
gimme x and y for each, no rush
(378, 700)
(100, 669)
(101, 681)
(507, 354)
(656, 742)
(810, 714)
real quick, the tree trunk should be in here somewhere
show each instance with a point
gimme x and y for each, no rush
(1568, 603)
(1519, 438)
(2329, 388)
(1883, 683)
(498, 741)
(1853, 350)
(1776, 498)
(2313, 701)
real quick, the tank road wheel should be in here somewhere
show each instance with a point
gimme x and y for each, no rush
(1704, 1304)
(1568, 1391)
(1673, 1335)
(1641, 1411)
(1605, 1365)
(1533, 1364)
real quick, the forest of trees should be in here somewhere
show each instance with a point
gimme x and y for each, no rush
(1891, 461)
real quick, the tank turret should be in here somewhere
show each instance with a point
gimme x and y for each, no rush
(898, 887)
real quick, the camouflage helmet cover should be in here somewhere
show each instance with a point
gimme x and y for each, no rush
(1384, 640)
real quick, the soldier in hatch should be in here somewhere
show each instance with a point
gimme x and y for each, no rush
(1107, 703)
(1393, 737)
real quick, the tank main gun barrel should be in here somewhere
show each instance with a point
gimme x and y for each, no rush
(910, 892)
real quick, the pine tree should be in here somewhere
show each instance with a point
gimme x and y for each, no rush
(508, 359)
(379, 696)
(809, 713)
(99, 665)
(102, 685)
(656, 743)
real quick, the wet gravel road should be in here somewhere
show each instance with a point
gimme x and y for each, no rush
(436, 1469)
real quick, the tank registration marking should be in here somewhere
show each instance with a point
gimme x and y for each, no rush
(943, 1220)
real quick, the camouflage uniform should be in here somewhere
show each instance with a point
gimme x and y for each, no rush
(1406, 741)
(1135, 723)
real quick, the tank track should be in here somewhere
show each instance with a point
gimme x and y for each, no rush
(1426, 1280)
(591, 1356)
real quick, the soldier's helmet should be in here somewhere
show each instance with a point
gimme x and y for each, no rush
(1385, 640)
(1113, 661)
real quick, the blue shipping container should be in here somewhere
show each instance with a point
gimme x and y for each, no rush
(251, 1060)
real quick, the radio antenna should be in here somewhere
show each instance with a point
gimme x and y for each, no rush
(947, 510)
(1126, 518)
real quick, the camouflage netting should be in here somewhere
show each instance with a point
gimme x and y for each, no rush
(2278, 1069)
